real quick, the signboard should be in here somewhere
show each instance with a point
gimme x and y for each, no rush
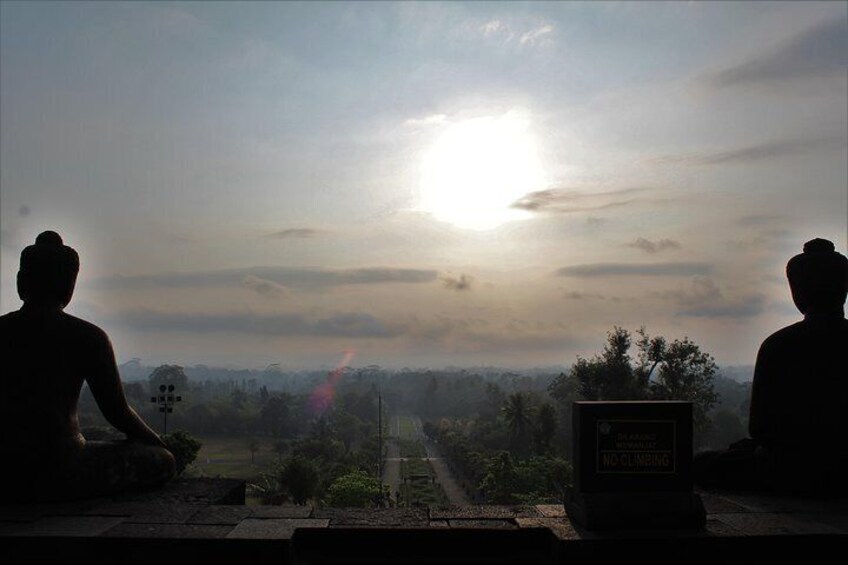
(633, 446)
(640, 447)
(633, 466)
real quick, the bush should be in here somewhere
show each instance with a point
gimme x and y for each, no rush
(354, 489)
(183, 446)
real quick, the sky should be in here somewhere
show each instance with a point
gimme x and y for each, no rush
(423, 184)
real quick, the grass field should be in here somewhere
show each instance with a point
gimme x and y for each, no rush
(229, 456)
(406, 428)
(418, 486)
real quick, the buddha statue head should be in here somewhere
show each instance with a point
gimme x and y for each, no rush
(48, 271)
(818, 278)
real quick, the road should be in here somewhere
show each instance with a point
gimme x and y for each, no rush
(391, 469)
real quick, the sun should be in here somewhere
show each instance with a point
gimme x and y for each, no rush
(477, 168)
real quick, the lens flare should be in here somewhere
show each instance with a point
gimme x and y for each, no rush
(322, 397)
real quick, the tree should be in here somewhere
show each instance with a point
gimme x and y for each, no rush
(354, 489)
(299, 476)
(544, 429)
(500, 481)
(663, 370)
(183, 446)
(280, 448)
(517, 413)
(276, 414)
(168, 375)
(253, 446)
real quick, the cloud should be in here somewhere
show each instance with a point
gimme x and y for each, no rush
(459, 284)
(757, 152)
(431, 120)
(526, 35)
(756, 220)
(297, 233)
(703, 299)
(264, 287)
(493, 26)
(284, 276)
(653, 247)
(568, 201)
(577, 295)
(819, 51)
(635, 269)
(534, 35)
(702, 291)
(352, 325)
(746, 307)
(449, 334)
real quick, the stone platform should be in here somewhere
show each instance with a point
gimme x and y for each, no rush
(205, 521)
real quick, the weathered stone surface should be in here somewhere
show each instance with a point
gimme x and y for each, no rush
(385, 517)
(222, 515)
(784, 504)
(764, 524)
(158, 512)
(482, 512)
(175, 531)
(68, 526)
(190, 491)
(836, 521)
(281, 512)
(32, 512)
(561, 527)
(485, 524)
(439, 524)
(274, 528)
(715, 504)
(551, 510)
(717, 528)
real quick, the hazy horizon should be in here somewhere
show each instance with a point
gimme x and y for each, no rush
(423, 184)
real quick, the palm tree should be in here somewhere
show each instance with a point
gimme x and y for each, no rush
(517, 413)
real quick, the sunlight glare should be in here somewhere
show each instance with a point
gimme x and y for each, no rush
(478, 168)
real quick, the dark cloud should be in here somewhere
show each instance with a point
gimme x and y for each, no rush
(702, 291)
(297, 233)
(635, 269)
(819, 51)
(758, 152)
(264, 287)
(458, 284)
(756, 220)
(353, 325)
(284, 276)
(577, 295)
(453, 333)
(748, 307)
(568, 201)
(653, 247)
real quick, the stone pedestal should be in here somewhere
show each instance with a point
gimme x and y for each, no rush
(633, 466)
(636, 511)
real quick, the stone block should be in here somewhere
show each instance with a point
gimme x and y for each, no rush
(274, 528)
(281, 512)
(478, 512)
(156, 512)
(222, 515)
(482, 524)
(551, 510)
(168, 531)
(68, 526)
(560, 526)
(384, 517)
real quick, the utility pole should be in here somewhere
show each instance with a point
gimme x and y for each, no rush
(165, 400)
(380, 438)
